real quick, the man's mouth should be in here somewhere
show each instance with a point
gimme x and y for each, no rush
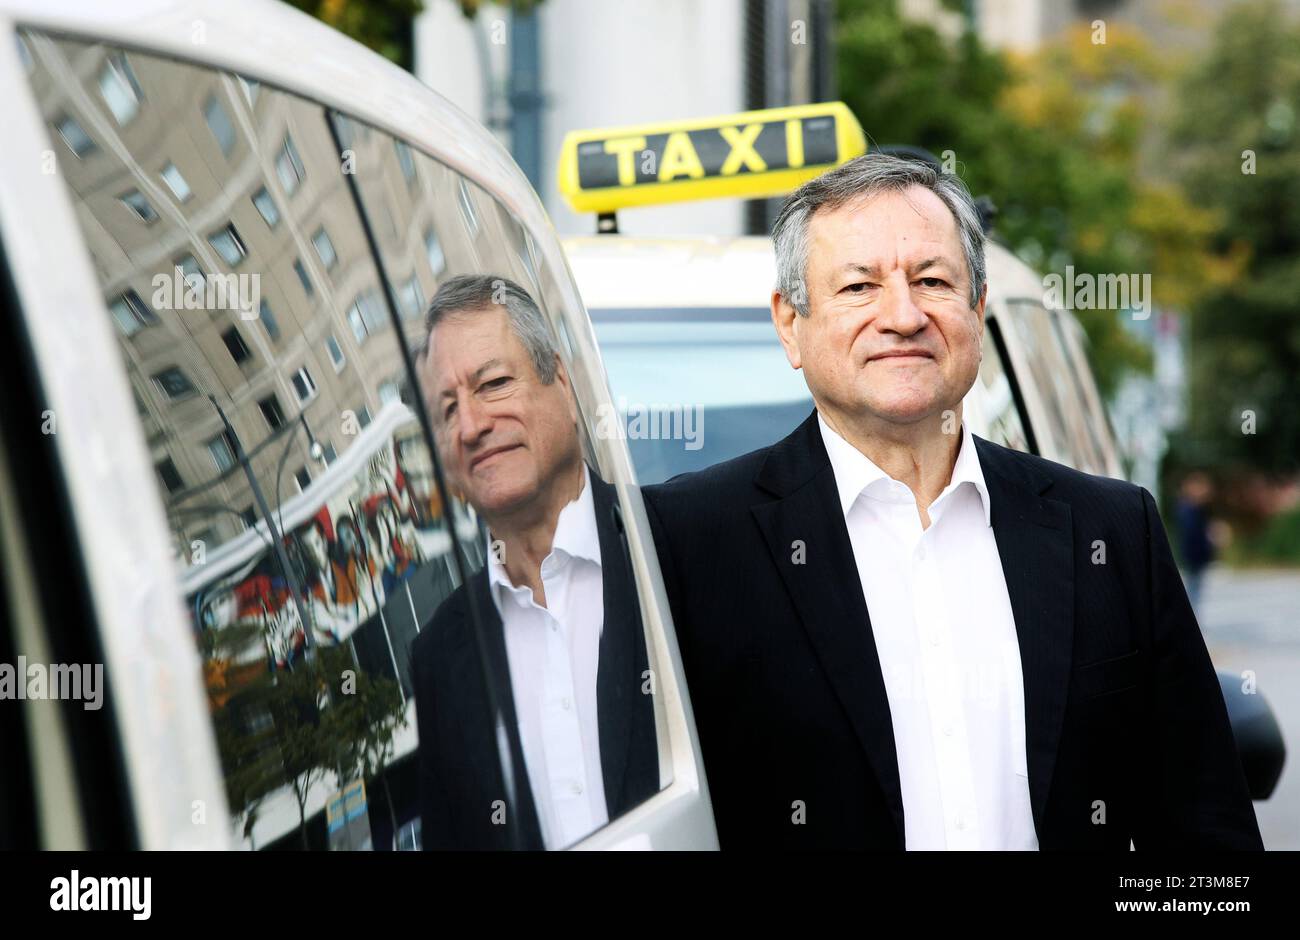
(906, 355)
(490, 454)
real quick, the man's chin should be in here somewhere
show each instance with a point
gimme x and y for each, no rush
(906, 413)
(502, 497)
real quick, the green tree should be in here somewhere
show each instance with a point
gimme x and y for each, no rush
(381, 25)
(364, 719)
(1234, 145)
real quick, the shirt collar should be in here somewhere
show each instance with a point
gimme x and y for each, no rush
(576, 535)
(854, 471)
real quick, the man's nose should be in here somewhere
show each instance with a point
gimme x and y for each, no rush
(898, 312)
(473, 418)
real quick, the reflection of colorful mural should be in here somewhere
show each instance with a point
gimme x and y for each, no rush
(347, 559)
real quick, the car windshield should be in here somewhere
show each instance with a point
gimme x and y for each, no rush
(732, 390)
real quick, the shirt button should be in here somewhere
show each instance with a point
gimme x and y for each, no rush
(577, 789)
(934, 639)
(960, 823)
(564, 703)
(947, 730)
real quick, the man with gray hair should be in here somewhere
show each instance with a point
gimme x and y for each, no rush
(572, 744)
(896, 634)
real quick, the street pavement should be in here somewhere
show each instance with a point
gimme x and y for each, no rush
(1251, 620)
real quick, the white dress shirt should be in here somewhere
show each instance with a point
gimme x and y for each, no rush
(554, 654)
(944, 632)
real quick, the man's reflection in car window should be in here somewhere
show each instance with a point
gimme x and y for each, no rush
(557, 603)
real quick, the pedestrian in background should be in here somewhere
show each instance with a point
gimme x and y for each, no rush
(1196, 547)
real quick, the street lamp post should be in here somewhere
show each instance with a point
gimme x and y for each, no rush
(276, 540)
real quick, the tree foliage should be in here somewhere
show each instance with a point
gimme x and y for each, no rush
(1240, 103)
(377, 24)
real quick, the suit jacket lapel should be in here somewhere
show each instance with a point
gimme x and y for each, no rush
(827, 591)
(618, 680)
(482, 734)
(1035, 541)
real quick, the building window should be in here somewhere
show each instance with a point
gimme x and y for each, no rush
(363, 416)
(223, 451)
(251, 87)
(433, 251)
(249, 517)
(169, 475)
(174, 383)
(346, 129)
(139, 206)
(75, 136)
(131, 313)
(336, 352)
(288, 166)
(303, 477)
(526, 256)
(358, 326)
(25, 54)
(302, 276)
(411, 298)
(266, 206)
(365, 316)
(270, 407)
(328, 454)
(120, 89)
(408, 837)
(268, 322)
(324, 248)
(190, 270)
(467, 207)
(228, 244)
(219, 124)
(235, 345)
(405, 160)
(303, 385)
(176, 183)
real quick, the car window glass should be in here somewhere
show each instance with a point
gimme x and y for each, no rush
(697, 385)
(1004, 424)
(268, 305)
(1059, 434)
(563, 633)
(312, 543)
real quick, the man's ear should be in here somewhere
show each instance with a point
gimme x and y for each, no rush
(562, 377)
(785, 319)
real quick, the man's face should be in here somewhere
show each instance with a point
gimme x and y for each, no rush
(504, 438)
(314, 542)
(890, 333)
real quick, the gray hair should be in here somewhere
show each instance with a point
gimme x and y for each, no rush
(474, 293)
(865, 176)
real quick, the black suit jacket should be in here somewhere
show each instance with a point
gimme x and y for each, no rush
(1123, 711)
(460, 771)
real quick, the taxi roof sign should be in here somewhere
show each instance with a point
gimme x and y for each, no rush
(751, 155)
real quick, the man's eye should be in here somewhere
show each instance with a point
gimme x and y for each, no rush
(857, 288)
(933, 282)
(449, 411)
(493, 384)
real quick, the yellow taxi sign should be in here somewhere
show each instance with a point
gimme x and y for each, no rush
(750, 155)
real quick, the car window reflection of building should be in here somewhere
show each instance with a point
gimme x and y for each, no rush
(226, 181)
